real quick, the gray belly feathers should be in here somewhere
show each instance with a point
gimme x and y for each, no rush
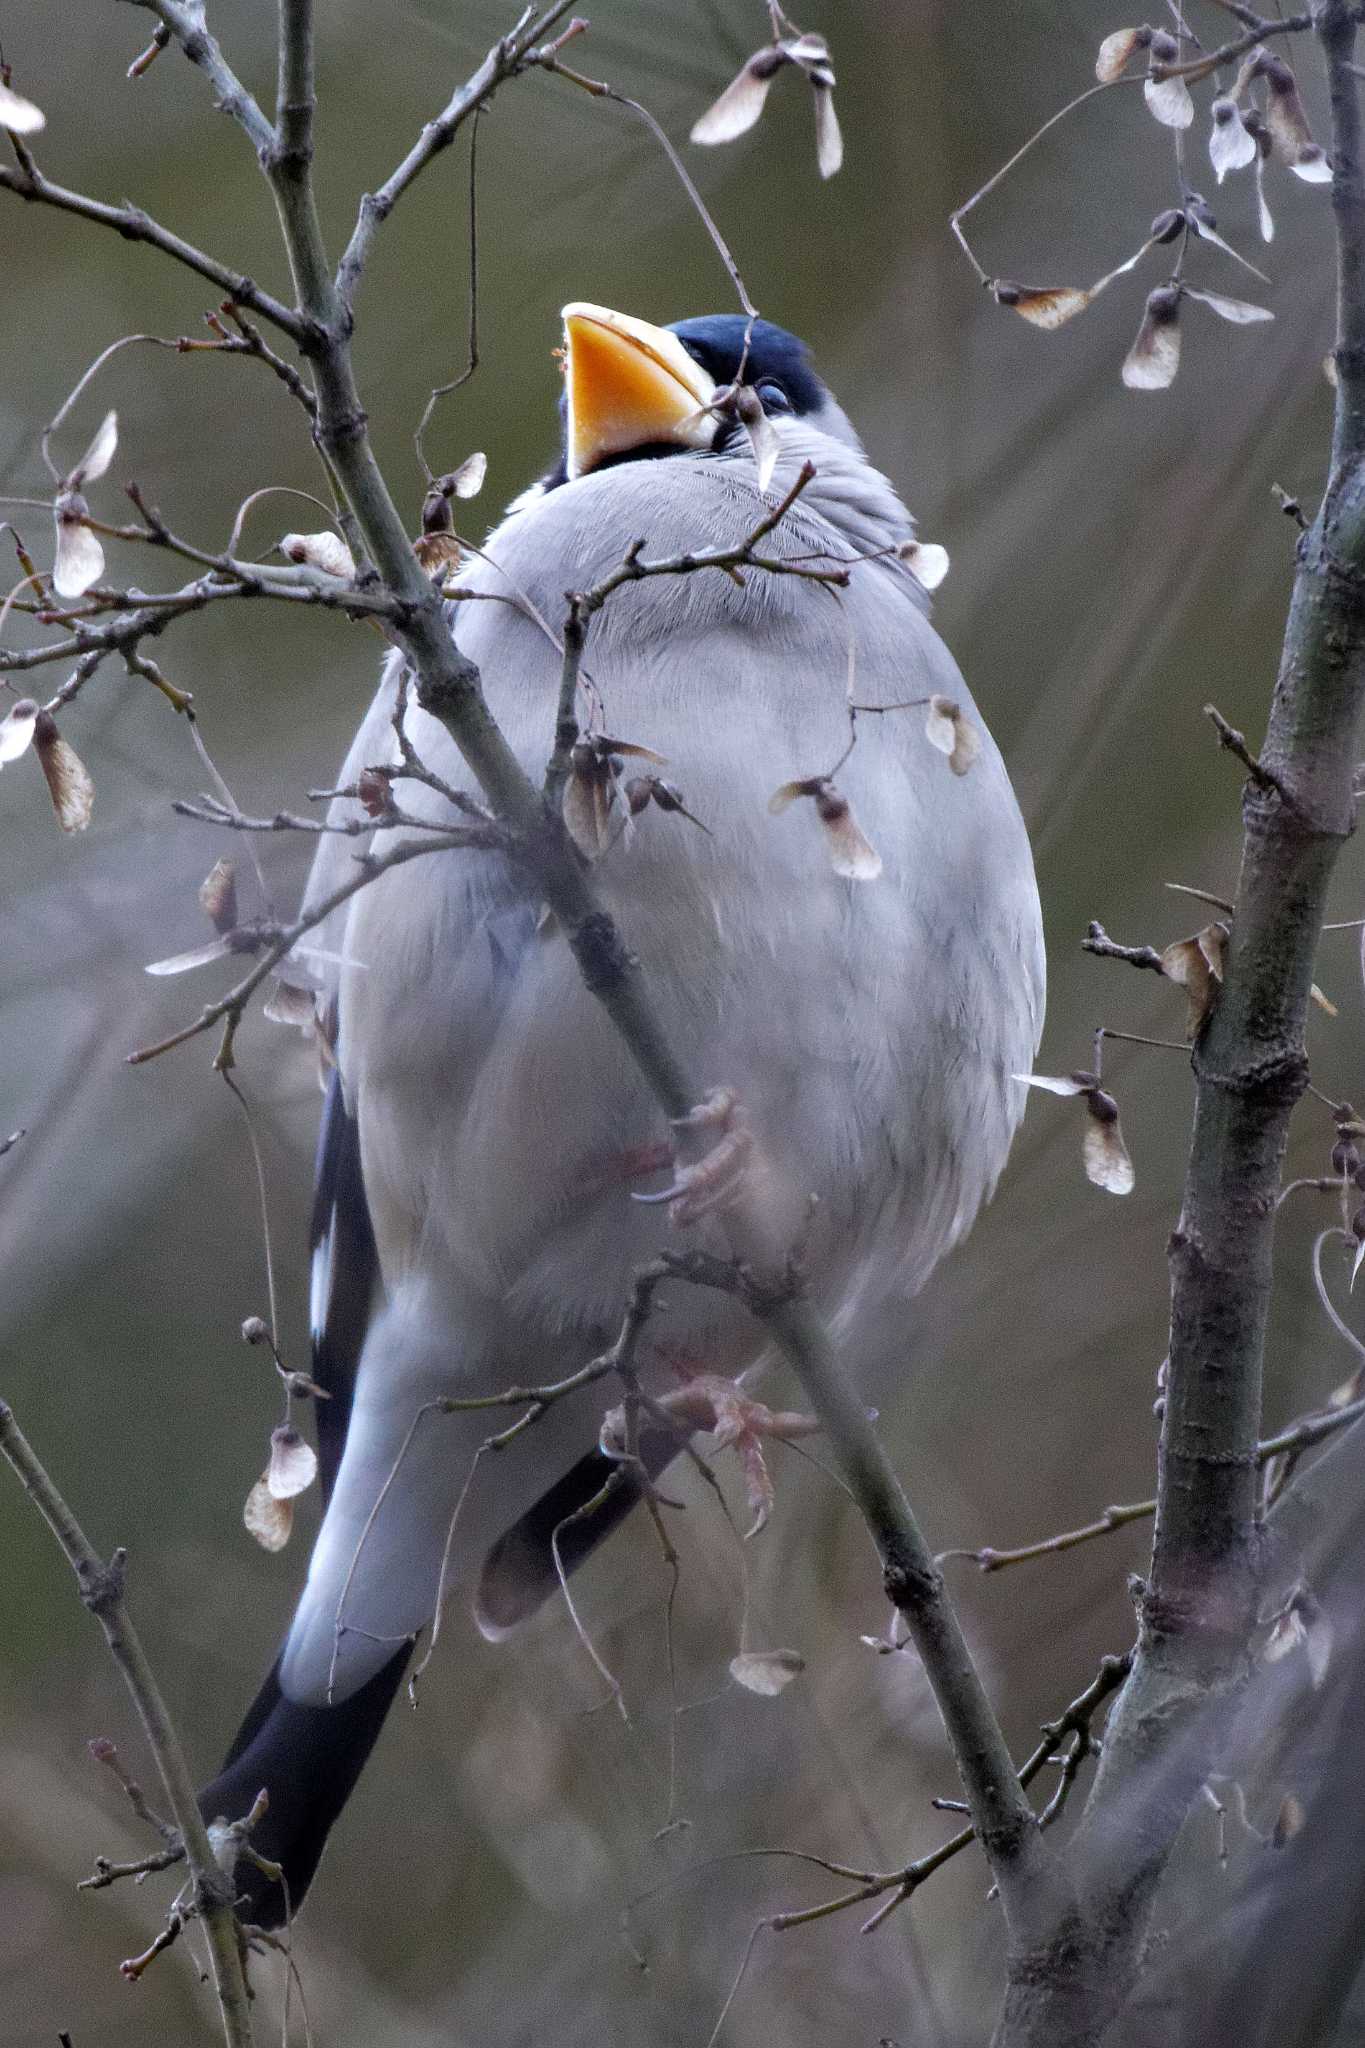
(870, 1029)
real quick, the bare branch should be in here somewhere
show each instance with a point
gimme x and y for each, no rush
(230, 1008)
(101, 1589)
(28, 182)
(1337, 34)
(1098, 941)
(1234, 743)
(510, 56)
(600, 90)
(185, 21)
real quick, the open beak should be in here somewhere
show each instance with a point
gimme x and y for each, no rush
(629, 385)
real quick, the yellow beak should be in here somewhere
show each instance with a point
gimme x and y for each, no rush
(629, 384)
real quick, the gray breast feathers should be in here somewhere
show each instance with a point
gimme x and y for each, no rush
(871, 1028)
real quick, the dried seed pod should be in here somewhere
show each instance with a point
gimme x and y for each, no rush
(605, 744)
(68, 779)
(79, 560)
(436, 513)
(1168, 224)
(255, 1330)
(1042, 305)
(1168, 99)
(742, 101)
(267, 1518)
(1231, 146)
(1106, 1159)
(851, 853)
(1051, 306)
(97, 456)
(1239, 311)
(326, 551)
(467, 480)
(17, 729)
(198, 956)
(1345, 1157)
(1196, 965)
(927, 561)
(374, 791)
(768, 1672)
(1203, 222)
(1286, 119)
(1153, 360)
(1255, 126)
(287, 1003)
(1107, 1162)
(218, 896)
(763, 440)
(438, 553)
(668, 797)
(953, 735)
(829, 141)
(19, 115)
(293, 1463)
(1358, 1233)
(810, 52)
(589, 795)
(1313, 165)
(1117, 51)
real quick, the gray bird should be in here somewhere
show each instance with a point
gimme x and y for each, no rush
(486, 1130)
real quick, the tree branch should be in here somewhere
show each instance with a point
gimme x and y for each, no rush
(1198, 1608)
(101, 1589)
(1337, 32)
(509, 56)
(28, 182)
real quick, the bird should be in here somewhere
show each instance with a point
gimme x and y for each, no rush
(858, 977)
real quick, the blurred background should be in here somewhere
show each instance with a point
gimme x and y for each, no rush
(1118, 561)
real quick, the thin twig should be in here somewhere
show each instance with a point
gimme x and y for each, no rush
(101, 1590)
(1297, 1436)
(440, 391)
(1235, 743)
(133, 225)
(511, 55)
(229, 1009)
(1098, 941)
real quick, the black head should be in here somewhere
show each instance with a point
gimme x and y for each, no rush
(636, 392)
(777, 366)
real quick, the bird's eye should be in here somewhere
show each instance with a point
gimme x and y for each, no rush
(772, 397)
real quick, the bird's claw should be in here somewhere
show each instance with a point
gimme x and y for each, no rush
(713, 1183)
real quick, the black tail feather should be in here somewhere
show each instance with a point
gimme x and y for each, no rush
(307, 1759)
(522, 1570)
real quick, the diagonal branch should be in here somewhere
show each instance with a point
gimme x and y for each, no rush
(187, 23)
(28, 182)
(101, 1589)
(510, 56)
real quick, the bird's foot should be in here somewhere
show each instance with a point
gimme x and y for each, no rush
(713, 1183)
(721, 1407)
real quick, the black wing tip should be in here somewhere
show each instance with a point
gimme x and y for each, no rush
(307, 1761)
